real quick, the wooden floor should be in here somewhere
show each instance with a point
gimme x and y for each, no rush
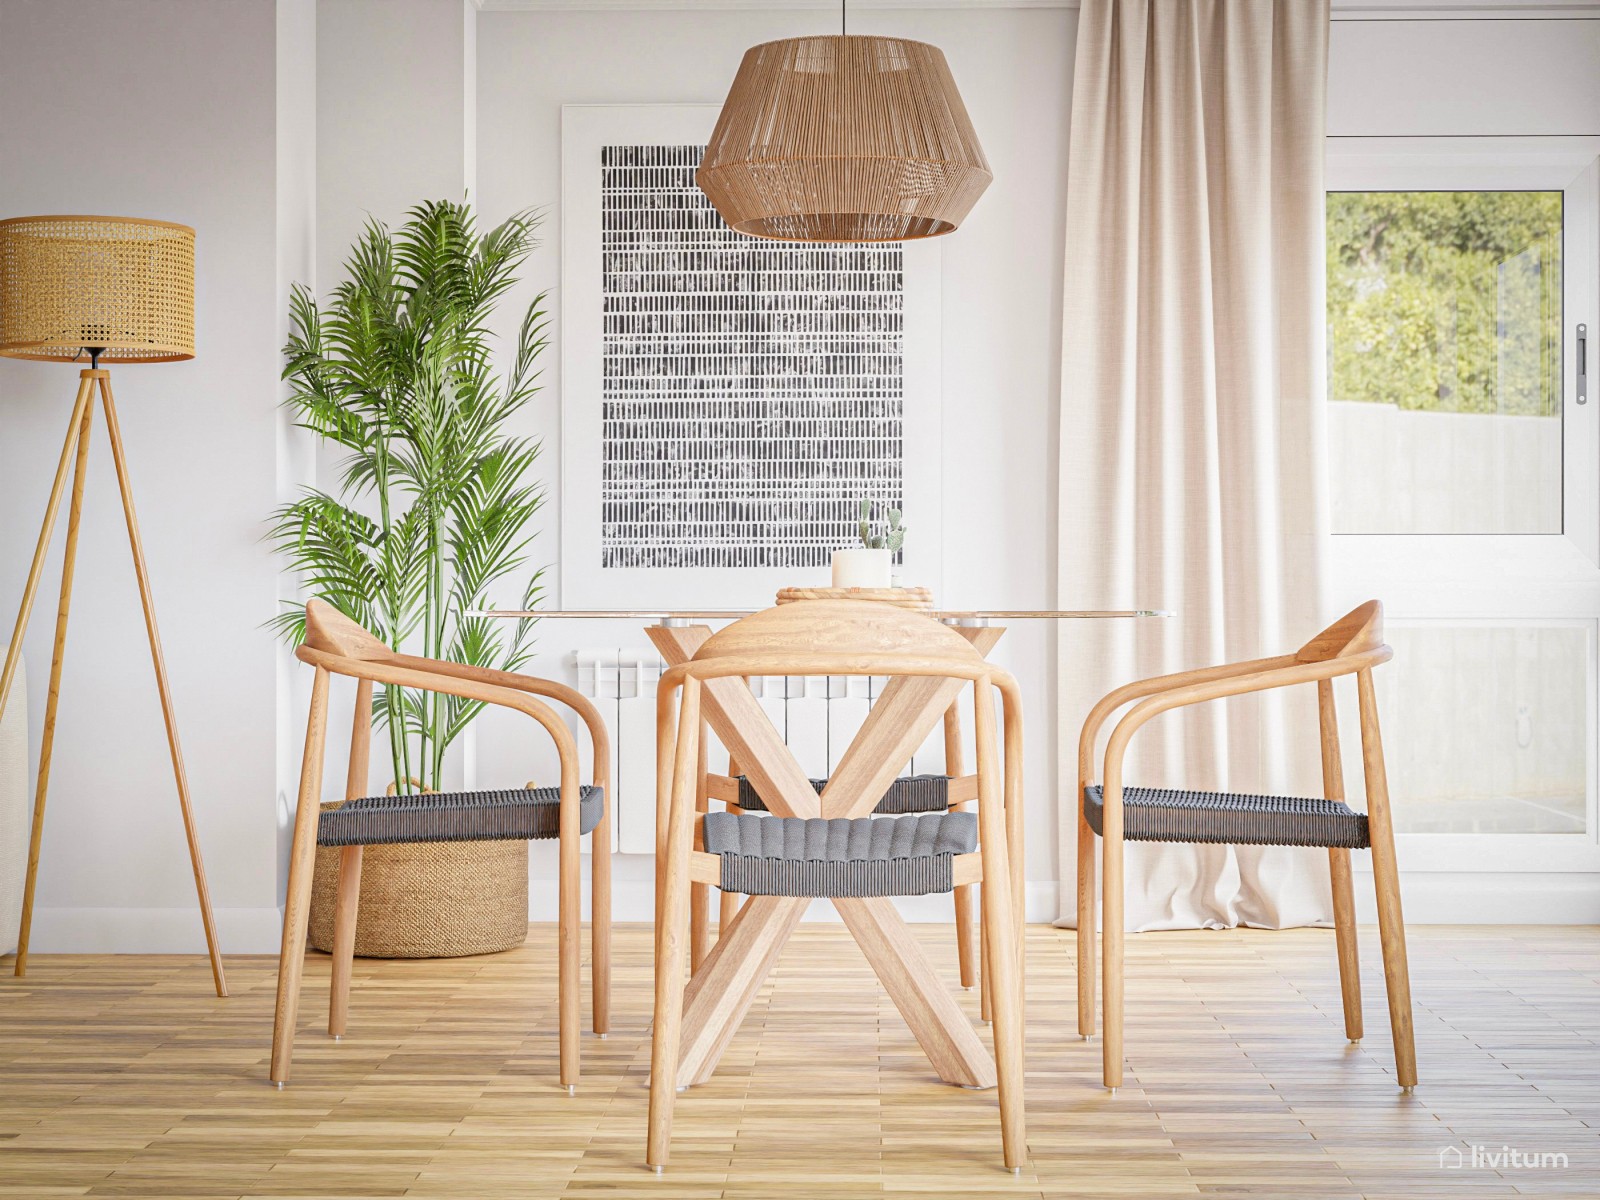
(124, 1076)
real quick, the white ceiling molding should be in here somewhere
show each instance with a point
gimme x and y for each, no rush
(1343, 10)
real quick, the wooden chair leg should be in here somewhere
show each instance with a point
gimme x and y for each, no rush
(966, 896)
(1086, 923)
(1386, 880)
(1000, 936)
(569, 914)
(1016, 853)
(1344, 905)
(700, 893)
(666, 741)
(728, 905)
(667, 1028)
(731, 904)
(297, 905)
(345, 915)
(985, 971)
(699, 924)
(1111, 947)
(1344, 926)
(966, 903)
(600, 917)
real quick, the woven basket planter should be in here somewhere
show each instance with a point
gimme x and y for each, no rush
(437, 900)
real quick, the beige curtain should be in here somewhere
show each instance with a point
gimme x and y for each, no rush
(1192, 416)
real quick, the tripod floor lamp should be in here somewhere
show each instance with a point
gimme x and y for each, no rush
(113, 288)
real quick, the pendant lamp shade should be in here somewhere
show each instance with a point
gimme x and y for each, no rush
(118, 284)
(844, 139)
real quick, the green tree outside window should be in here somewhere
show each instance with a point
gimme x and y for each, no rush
(1446, 301)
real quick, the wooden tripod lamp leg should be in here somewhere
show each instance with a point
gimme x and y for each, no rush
(148, 602)
(36, 570)
(82, 413)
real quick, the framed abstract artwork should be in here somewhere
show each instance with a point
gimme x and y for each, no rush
(728, 401)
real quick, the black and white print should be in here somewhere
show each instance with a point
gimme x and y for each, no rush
(752, 391)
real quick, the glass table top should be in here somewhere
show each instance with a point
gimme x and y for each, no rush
(951, 616)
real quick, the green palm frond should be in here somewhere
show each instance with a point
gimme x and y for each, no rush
(433, 501)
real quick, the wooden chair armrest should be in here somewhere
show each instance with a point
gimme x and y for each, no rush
(1113, 700)
(599, 735)
(395, 671)
(1217, 688)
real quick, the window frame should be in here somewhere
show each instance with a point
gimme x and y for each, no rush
(1513, 578)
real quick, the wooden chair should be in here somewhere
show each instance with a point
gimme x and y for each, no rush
(336, 645)
(1353, 645)
(844, 857)
(953, 791)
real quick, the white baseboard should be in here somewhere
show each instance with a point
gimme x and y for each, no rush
(153, 930)
(1476, 898)
(1490, 898)
(1430, 898)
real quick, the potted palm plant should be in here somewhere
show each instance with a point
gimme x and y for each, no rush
(434, 498)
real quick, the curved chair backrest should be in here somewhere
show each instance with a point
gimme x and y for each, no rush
(330, 631)
(1357, 632)
(841, 637)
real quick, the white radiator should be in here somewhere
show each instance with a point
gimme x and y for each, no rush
(817, 716)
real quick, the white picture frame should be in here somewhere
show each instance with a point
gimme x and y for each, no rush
(585, 583)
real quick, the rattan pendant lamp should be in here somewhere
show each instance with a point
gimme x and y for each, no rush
(91, 288)
(850, 138)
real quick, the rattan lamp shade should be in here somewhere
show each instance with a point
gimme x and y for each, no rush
(844, 139)
(116, 283)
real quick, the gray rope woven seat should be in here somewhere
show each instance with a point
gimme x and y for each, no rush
(1235, 818)
(514, 814)
(841, 856)
(908, 794)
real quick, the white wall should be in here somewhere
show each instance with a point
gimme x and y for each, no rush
(1481, 77)
(393, 111)
(161, 110)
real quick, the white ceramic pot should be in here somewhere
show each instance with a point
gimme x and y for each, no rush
(860, 567)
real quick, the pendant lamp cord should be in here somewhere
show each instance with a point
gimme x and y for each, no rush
(843, 30)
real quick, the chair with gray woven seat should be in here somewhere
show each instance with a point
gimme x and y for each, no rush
(1117, 813)
(336, 645)
(952, 791)
(855, 859)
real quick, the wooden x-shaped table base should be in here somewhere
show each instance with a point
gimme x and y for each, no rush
(722, 990)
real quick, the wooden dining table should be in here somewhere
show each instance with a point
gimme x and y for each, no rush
(903, 716)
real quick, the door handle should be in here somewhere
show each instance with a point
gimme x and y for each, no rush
(1583, 364)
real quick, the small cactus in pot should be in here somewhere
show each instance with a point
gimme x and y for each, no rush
(871, 564)
(892, 538)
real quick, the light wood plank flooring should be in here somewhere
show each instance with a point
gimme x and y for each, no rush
(124, 1076)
